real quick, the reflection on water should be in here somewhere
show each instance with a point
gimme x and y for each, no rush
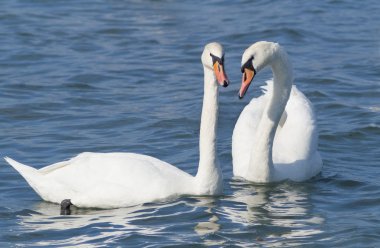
(206, 227)
(211, 225)
(276, 211)
(104, 223)
(262, 214)
(132, 222)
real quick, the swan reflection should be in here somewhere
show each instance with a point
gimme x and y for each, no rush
(148, 220)
(259, 213)
(211, 225)
(276, 210)
(102, 224)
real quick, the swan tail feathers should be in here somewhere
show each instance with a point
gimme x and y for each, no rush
(24, 170)
(46, 187)
(30, 174)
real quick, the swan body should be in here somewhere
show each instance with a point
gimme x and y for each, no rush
(111, 180)
(107, 180)
(275, 137)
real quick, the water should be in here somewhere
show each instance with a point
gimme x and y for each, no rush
(126, 76)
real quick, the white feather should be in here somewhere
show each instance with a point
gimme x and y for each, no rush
(294, 147)
(111, 180)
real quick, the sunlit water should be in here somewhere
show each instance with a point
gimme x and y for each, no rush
(126, 76)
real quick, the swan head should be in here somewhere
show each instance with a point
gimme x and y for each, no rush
(254, 59)
(213, 59)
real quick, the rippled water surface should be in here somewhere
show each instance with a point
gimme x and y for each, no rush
(126, 76)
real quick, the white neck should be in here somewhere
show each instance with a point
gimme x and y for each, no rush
(261, 167)
(209, 176)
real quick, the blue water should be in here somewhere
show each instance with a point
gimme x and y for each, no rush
(126, 76)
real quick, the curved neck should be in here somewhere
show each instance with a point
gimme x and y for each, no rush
(209, 175)
(261, 166)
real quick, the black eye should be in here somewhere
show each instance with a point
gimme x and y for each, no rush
(248, 65)
(217, 59)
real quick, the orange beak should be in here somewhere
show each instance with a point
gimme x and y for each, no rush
(220, 74)
(248, 75)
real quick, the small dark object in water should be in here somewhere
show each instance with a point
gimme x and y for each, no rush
(65, 207)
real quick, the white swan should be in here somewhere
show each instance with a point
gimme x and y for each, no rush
(111, 180)
(268, 143)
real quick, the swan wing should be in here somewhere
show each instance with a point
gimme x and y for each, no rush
(297, 137)
(295, 154)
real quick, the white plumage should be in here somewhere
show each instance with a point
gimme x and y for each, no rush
(107, 180)
(111, 180)
(295, 142)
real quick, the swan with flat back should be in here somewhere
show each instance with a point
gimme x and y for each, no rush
(112, 180)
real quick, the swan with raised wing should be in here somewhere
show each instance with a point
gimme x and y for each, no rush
(275, 137)
(112, 180)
